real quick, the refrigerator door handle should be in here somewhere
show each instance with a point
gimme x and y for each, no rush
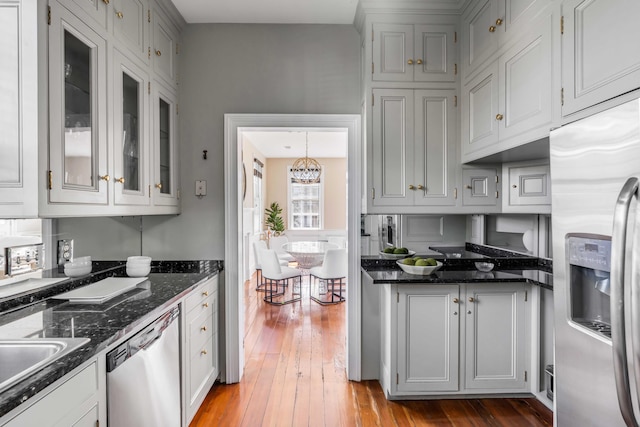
(618, 336)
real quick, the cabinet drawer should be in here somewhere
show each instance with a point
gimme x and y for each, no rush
(201, 368)
(200, 331)
(199, 295)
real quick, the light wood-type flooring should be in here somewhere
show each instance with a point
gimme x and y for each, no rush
(295, 376)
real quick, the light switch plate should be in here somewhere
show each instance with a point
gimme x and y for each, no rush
(201, 188)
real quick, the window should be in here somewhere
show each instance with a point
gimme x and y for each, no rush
(305, 205)
(257, 196)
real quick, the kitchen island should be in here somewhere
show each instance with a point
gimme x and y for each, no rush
(105, 324)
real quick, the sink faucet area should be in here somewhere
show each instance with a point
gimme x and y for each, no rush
(22, 357)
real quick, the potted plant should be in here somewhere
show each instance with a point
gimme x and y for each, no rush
(273, 220)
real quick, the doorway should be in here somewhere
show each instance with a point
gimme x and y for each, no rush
(235, 124)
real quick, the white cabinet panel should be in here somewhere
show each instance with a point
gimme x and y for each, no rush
(163, 49)
(480, 107)
(131, 26)
(392, 49)
(96, 10)
(480, 187)
(479, 30)
(528, 187)
(435, 47)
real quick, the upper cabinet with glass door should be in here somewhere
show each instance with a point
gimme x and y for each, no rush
(165, 185)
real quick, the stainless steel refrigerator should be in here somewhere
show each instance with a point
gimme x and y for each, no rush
(595, 167)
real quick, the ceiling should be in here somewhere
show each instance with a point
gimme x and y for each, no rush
(291, 143)
(268, 12)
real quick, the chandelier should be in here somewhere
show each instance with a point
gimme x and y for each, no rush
(306, 170)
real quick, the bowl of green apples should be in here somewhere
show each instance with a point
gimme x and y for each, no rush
(419, 266)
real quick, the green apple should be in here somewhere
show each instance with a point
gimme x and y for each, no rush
(409, 261)
(431, 261)
(422, 263)
(401, 251)
(389, 250)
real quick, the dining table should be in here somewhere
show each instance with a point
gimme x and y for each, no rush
(308, 253)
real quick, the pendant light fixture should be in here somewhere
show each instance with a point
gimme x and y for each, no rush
(306, 170)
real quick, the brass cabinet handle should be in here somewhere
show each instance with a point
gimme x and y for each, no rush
(205, 294)
(412, 187)
(120, 180)
(105, 1)
(206, 304)
(471, 299)
(456, 300)
(419, 61)
(203, 352)
(492, 29)
(158, 53)
(410, 62)
(159, 186)
(499, 21)
(120, 15)
(420, 187)
(104, 177)
(499, 117)
(204, 328)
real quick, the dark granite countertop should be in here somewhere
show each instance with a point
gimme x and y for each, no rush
(105, 323)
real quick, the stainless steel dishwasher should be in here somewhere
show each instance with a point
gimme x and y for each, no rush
(143, 376)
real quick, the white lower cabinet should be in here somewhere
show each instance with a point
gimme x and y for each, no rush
(78, 400)
(454, 339)
(200, 351)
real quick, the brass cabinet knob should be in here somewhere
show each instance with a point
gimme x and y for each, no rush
(419, 61)
(120, 180)
(104, 177)
(105, 1)
(158, 53)
(412, 187)
(159, 186)
(203, 352)
(499, 117)
(420, 187)
(456, 300)
(469, 312)
(499, 21)
(204, 328)
(471, 299)
(410, 62)
(205, 294)
(120, 15)
(206, 304)
(492, 29)
(468, 187)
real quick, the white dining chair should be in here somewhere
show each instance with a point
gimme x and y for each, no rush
(276, 243)
(257, 247)
(333, 272)
(279, 276)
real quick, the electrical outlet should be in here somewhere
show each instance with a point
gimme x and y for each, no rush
(201, 188)
(65, 251)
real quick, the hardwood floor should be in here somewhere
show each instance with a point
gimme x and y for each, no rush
(295, 376)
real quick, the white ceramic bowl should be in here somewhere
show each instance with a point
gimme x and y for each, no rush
(76, 271)
(83, 260)
(138, 270)
(485, 267)
(418, 269)
(396, 256)
(139, 260)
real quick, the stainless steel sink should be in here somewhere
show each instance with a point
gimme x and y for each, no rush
(22, 357)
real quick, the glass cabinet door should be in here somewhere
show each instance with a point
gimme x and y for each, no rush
(165, 192)
(131, 146)
(77, 71)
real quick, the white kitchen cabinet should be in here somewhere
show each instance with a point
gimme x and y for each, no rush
(94, 12)
(527, 187)
(600, 55)
(165, 190)
(164, 48)
(132, 151)
(509, 103)
(488, 25)
(19, 88)
(496, 336)
(427, 338)
(408, 53)
(200, 353)
(131, 22)
(78, 399)
(413, 154)
(480, 187)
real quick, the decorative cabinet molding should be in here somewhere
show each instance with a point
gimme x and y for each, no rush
(130, 26)
(19, 87)
(164, 48)
(527, 187)
(480, 187)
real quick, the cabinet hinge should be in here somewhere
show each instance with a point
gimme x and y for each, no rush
(149, 190)
(148, 15)
(562, 96)
(525, 376)
(562, 25)
(149, 87)
(526, 296)
(177, 109)
(373, 193)
(373, 100)
(178, 194)
(49, 15)
(149, 53)
(455, 69)
(497, 179)
(49, 180)
(455, 100)
(372, 34)
(177, 48)
(455, 37)
(497, 194)
(372, 68)
(97, 423)
(397, 378)
(455, 193)
(397, 297)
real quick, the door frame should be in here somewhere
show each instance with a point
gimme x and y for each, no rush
(233, 299)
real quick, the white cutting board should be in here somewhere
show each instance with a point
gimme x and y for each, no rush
(101, 291)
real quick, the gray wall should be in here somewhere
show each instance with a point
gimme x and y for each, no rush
(310, 69)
